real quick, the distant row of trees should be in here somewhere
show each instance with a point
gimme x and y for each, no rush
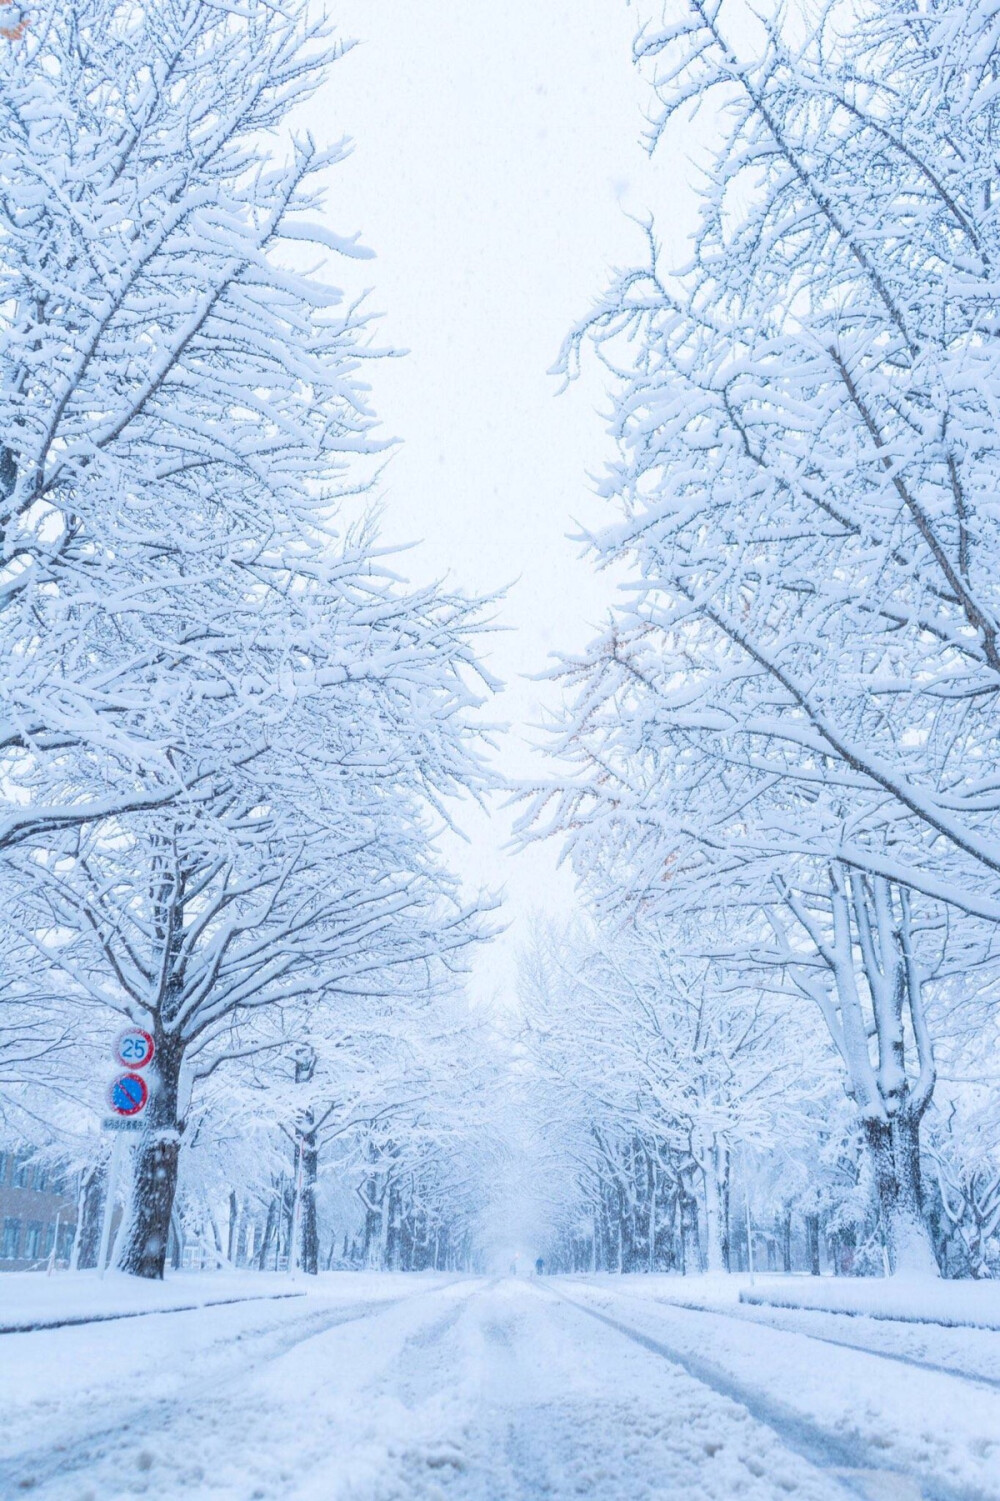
(230, 734)
(685, 1114)
(782, 796)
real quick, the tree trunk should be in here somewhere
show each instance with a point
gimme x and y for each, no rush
(384, 1229)
(144, 1251)
(373, 1223)
(307, 1161)
(270, 1226)
(785, 1231)
(812, 1243)
(307, 1209)
(651, 1227)
(894, 1148)
(287, 1221)
(690, 1249)
(234, 1221)
(154, 1182)
(714, 1248)
(88, 1229)
(724, 1176)
(175, 1244)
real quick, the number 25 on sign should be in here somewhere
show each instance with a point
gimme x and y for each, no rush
(134, 1048)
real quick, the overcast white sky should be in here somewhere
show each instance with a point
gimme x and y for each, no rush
(497, 149)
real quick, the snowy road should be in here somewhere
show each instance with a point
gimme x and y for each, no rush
(408, 1387)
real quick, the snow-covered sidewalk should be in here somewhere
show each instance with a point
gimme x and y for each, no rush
(973, 1305)
(31, 1300)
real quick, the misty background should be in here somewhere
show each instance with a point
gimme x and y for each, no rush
(497, 174)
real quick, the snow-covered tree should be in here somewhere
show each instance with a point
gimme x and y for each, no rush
(803, 688)
(964, 1151)
(179, 399)
(381, 1092)
(231, 735)
(312, 878)
(669, 1065)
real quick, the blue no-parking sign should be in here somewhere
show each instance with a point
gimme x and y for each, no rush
(128, 1094)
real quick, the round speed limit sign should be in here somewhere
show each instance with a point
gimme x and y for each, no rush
(134, 1048)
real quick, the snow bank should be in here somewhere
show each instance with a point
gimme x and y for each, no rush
(974, 1305)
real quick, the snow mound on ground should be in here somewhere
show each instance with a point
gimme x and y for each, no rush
(974, 1305)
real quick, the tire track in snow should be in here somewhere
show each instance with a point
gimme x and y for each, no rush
(851, 1462)
(565, 1411)
(826, 1339)
(844, 1344)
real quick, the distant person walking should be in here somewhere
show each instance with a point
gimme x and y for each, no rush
(539, 1266)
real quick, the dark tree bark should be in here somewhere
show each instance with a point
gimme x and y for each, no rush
(270, 1226)
(812, 1243)
(310, 1227)
(308, 1169)
(894, 1147)
(372, 1233)
(726, 1187)
(690, 1247)
(785, 1231)
(287, 1225)
(144, 1253)
(234, 1220)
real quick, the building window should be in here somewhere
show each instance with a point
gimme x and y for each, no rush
(11, 1239)
(64, 1247)
(22, 1174)
(33, 1241)
(3, 1166)
(41, 1180)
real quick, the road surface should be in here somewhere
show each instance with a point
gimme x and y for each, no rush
(494, 1389)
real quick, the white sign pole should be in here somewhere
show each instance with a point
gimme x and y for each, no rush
(51, 1255)
(110, 1196)
(55, 1245)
